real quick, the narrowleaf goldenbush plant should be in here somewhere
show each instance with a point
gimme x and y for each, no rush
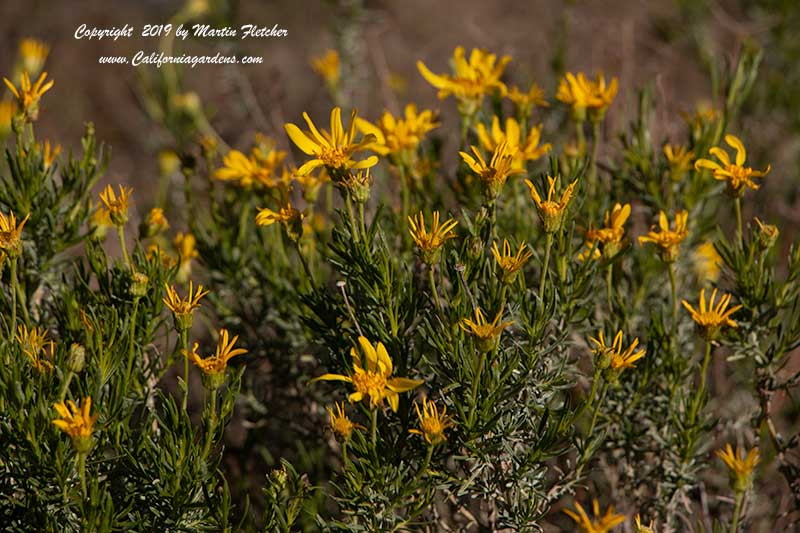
(411, 341)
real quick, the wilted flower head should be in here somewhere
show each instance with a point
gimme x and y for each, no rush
(600, 524)
(551, 212)
(328, 66)
(117, 207)
(494, 174)
(471, 79)
(583, 94)
(430, 242)
(372, 376)
(523, 150)
(432, 423)
(334, 149)
(668, 240)
(29, 94)
(77, 422)
(10, 233)
(741, 467)
(290, 218)
(33, 343)
(767, 235)
(709, 318)
(735, 174)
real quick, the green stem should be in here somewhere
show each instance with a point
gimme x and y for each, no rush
(185, 344)
(344, 455)
(432, 279)
(674, 293)
(597, 408)
(374, 427)
(82, 473)
(475, 383)
(352, 216)
(581, 137)
(13, 324)
(548, 243)
(63, 392)
(424, 466)
(593, 159)
(121, 233)
(737, 203)
(702, 388)
(609, 280)
(361, 219)
(212, 423)
(304, 262)
(131, 341)
(737, 510)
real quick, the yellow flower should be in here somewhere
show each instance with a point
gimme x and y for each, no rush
(600, 524)
(650, 528)
(328, 66)
(288, 216)
(340, 424)
(735, 174)
(526, 101)
(472, 79)
(395, 135)
(486, 333)
(707, 262)
(332, 149)
(741, 467)
(432, 423)
(156, 222)
(582, 94)
(168, 162)
(710, 319)
(767, 234)
(10, 233)
(50, 154)
(33, 343)
(493, 175)
(614, 359)
(551, 212)
(374, 379)
(117, 207)
(214, 366)
(611, 235)
(509, 264)
(185, 245)
(183, 308)
(430, 242)
(679, 158)
(29, 94)
(8, 109)
(77, 422)
(259, 168)
(33, 54)
(310, 183)
(668, 240)
(523, 151)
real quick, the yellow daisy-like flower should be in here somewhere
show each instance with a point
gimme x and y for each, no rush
(614, 359)
(432, 423)
(600, 524)
(33, 53)
(259, 168)
(710, 318)
(508, 262)
(396, 135)
(668, 240)
(156, 221)
(529, 150)
(185, 246)
(183, 308)
(372, 376)
(680, 160)
(429, 243)
(28, 95)
(706, 262)
(340, 424)
(471, 80)
(526, 101)
(641, 528)
(582, 94)
(77, 422)
(494, 174)
(49, 154)
(328, 66)
(33, 343)
(334, 149)
(214, 366)
(611, 235)
(10, 233)
(735, 174)
(289, 217)
(117, 207)
(741, 467)
(486, 333)
(551, 212)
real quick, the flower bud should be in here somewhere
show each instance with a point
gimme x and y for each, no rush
(77, 358)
